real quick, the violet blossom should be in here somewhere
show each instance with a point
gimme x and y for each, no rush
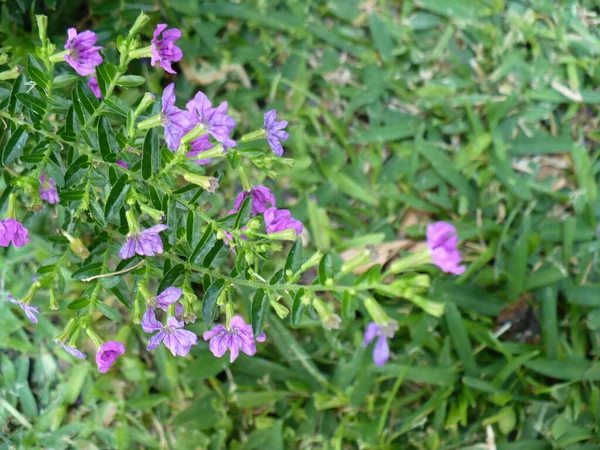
(164, 51)
(261, 197)
(12, 230)
(94, 86)
(169, 296)
(274, 132)
(107, 355)
(30, 311)
(381, 350)
(199, 146)
(442, 241)
(214, 120)
(237, 337)
(281, 219)
(174, 120)
(72, 350)
(146, 243)
(122, 163)
(177, 340)
(82, 55)
(48, 190)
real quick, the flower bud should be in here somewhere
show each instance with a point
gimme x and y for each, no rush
(139, 23)
(146, 101)
(53, 301)
(42, 24)
(155, 214)
(312, 261)
(193, 134)
(285, 235)
(359, 260)
(77, 246)
(210, 184)
(150, 122)
(330, 320)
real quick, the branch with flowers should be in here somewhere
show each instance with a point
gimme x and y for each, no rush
(136, 219)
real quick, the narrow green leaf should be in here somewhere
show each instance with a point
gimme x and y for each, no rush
(325, 269)
(244, 213)
(298, 308)
(381, 36)
(208, 240)
(171, 277)
(460, 338)
(130, 81)
(294, 258)
(89, 270)
(260, 308)
(14, 147)
(352, 188)
(106, 140)
(150, 155)
(209, 304)
(64, 80)
(31, 102)
(116, 198)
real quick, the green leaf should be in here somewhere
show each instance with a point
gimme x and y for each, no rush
(151, 154)
(89, 270)
(116, 198)
(108, 311)
(206, 243)
(260, 308)
(14, 147)
(352, 188)
(209, 304)
(572, 369)
(37, 75)
(105, 73)
(325, 268)
(77, 170)
(131, 81)
(87, 97)
(171, 277)
(149, 401)
(444, 166)
(31, 102)
(106, 140)
(458, 332)
(64, 80)
(244, 213)
(294, 258)
(298, 308)
(349, 307)
(381, 36)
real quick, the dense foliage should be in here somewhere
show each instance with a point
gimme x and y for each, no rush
(401, 114)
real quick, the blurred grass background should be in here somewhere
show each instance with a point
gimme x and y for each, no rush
(483, 113)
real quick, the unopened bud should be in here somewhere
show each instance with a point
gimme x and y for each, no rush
(77, 246)
(146, 101)
(285, 235)
(210, 184)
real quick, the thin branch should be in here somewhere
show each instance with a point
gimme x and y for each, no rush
(114, 273)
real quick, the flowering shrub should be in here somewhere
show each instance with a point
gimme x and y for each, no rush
(129, 186)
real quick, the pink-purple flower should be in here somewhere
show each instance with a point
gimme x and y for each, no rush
(107, 355)
(174, 120)
(442, 241)
(30, 311)
(381, 350)
(261, 198)
(199, 146)
(72, 350)
(48, 190)
(169, 296)
(175, 338)
(275, 132)
(215, 120)
(12, 230)
(281, 219)
(146, 243)
(237, 337)
(94, 86)
(122, 163)
(83, 55)
(164, 51)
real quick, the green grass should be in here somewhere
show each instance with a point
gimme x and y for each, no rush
(482, 113)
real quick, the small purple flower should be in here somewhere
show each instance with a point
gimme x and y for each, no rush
(442, 241)
(164, 51)
(48, 190)
(238, 337)
(281, 219)
(169, 296)
(199, 146)
(83, 55)
(94, 86)
(179, 341)
(122, 163)
(146, 243)
(72, 350)
(381, 351)
(30, 311)
(107, 355)
(215, 120)
(13, 230)
(174, 120)
(261, 197)
(274, 132)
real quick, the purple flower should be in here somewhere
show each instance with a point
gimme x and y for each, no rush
(48, 190)
(261, 197)
(238, 337)
(107, 355)
(442, 242)
(175, 339)
(122, 163)
(165, 51)
(174, 120)
(274, 132)
(72, 350)
(169, 296)
(30, 311)
(83, 55)
(94, 87)
(381, 351)
(146, 243)
(199, 146)
(13, 230)
(215, 120)
(281, 219)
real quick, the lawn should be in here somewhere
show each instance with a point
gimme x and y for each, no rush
(480, 113)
